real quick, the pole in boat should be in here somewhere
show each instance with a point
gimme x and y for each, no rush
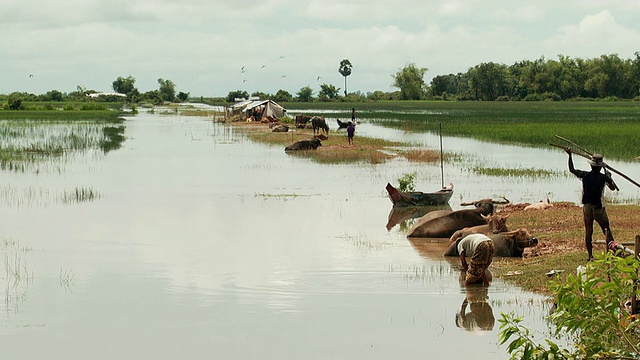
(441, 157)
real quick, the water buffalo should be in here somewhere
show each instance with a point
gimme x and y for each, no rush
(319, 124)
(495, 224)
(506, 244)
(304, 145)
(444, 226)
(302, 120)
(280, 128)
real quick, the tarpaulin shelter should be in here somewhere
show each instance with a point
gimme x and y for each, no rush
(269, 108)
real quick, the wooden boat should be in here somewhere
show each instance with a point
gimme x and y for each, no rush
(418, 198)
(440, 197)
(342, 125)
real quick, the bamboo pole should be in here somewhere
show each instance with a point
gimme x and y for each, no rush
(634, 299)
(586, 155)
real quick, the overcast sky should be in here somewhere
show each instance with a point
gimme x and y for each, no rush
(202, 45)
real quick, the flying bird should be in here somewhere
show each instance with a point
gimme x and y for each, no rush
(263, 66)
(30, 75)
(244, 81)
(283, 76)
(281, 56)
(318, 78)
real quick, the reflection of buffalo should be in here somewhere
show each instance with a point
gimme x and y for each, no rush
(304, 145)
(506, 244)
(318, 123)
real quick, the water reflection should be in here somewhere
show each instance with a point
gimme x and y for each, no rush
(431, 248)
(479, 316)
(405, 215)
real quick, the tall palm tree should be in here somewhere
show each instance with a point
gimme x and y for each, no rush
(345, 70)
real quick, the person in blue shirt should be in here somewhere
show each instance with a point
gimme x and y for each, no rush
(593, 183)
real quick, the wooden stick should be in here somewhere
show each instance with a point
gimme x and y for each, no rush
(606, 166)
(574, 144)
(634, 299)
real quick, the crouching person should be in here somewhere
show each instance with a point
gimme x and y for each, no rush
(479, 248)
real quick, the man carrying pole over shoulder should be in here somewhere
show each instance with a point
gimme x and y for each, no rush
(593, 183)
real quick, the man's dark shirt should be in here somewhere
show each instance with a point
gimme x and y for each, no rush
(592, 186)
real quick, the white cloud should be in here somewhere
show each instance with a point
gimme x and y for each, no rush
(595, 35)
(200, 45)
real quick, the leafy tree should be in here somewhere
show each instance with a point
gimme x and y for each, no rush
(152, 96)
(261, 95)
(328, 92)
(345, 70)
(53, 95)
(14, 102)
(182, 96)
(125, 86)
(590, 311)
(305, 94)
(410, 81)
(489, 81)
(238, 94)
(283, 96)
(167, 90)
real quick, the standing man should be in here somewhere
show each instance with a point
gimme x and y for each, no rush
(593, 183)
(480, 248)
(353, 115)
(351, 129)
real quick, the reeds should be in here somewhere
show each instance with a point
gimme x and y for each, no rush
(24, 143)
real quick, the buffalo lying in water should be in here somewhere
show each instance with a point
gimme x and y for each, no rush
(304, 145)
(443, 224)
(506, 244)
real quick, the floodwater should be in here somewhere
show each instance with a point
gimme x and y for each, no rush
(203, 245)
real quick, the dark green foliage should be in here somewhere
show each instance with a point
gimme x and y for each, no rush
(590, 311)
(125, 86)
(182, 96)
(167, 90)
(410, 81)
(305, 94)
(328, 92)
(238, 94)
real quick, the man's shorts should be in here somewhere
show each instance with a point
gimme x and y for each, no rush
(597, 213)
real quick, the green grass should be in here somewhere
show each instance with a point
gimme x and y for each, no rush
(610, 128)
(533, 271)
(514, 172)
(607, 127)
(334, 150)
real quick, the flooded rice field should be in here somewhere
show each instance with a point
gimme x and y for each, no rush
(192, 242)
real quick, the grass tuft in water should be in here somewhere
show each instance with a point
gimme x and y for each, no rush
(514, 172)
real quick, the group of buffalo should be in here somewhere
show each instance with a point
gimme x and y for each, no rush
(319, 126)
(454, 225)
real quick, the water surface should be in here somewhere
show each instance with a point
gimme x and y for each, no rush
(205, 245)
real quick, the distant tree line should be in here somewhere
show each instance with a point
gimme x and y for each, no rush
(166, 92)
(606, 77)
